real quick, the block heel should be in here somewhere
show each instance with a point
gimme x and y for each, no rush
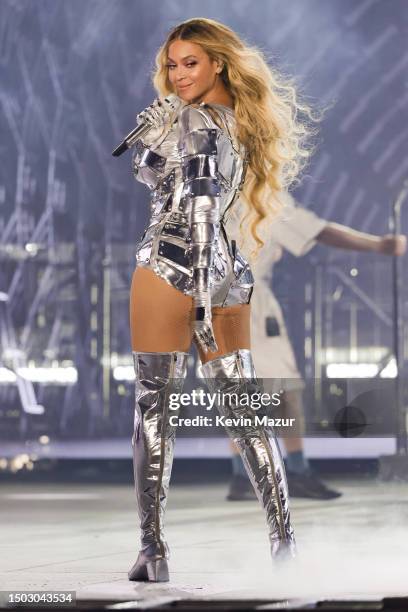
(145, 570)
(158, 571)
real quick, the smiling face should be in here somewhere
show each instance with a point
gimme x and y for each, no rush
(192, 73)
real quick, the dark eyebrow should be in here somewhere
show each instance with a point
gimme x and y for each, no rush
(183, 58)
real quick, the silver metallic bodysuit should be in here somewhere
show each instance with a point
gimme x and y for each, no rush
(195, 168)
(195, 173)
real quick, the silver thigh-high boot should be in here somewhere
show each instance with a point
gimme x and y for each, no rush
(158, 375)
(234, 373)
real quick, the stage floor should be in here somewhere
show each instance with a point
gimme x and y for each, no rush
(84, 537)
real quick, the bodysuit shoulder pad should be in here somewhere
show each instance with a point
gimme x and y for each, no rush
(194, 117)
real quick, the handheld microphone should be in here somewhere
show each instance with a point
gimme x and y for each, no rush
(172, 100)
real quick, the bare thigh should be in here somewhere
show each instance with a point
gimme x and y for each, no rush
(161, 319)
(161, 316)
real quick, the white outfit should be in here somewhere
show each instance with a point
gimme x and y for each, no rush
(295, 230)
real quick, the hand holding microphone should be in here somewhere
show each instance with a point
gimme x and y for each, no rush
(151, 121)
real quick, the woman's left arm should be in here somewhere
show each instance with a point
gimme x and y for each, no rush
(198, 151)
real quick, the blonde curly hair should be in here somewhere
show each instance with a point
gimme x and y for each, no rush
(272, 124)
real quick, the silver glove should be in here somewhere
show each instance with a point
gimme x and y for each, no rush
(160, 115)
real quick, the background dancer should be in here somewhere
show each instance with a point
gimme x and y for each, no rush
(297, 230)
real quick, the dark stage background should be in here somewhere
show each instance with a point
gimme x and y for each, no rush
(73, 75)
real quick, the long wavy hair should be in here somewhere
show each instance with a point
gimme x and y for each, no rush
(272, 123)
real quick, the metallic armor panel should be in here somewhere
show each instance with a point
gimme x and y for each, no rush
(174, 253)
(200, 166)
(195, 173)
(175, 275)
(148, 166)
(203, 209)
(202, 256)
(177, 230)
(203, 232)
(202, 187)
(201, 141)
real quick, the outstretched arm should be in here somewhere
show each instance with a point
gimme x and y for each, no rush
(344, 237)
(299, 229)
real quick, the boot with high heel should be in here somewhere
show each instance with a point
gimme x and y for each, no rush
(234, 373)
(158, 375)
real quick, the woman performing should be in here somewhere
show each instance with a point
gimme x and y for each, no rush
(231, 130)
